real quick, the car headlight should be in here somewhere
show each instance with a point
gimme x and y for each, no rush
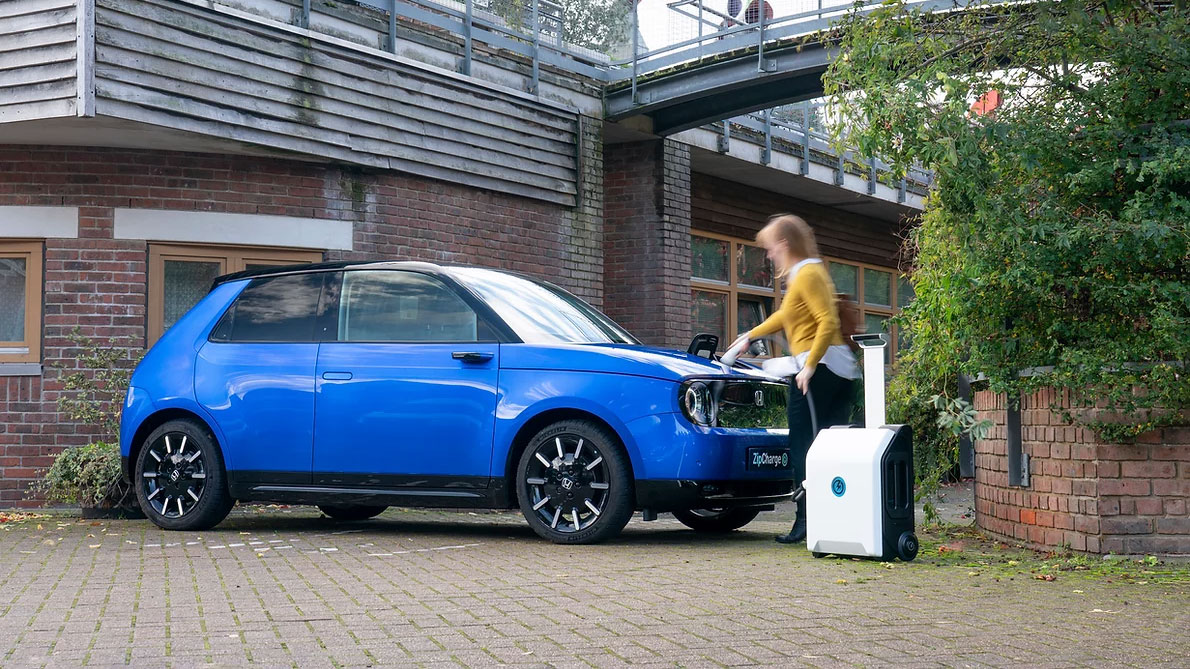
(735, 403)
(698, 403)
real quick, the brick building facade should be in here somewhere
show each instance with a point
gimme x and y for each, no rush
(97, 280)
(245, 140)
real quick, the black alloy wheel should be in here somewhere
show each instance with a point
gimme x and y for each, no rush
(573, 483)
(349, 512)
(714, 521)
(179, 478)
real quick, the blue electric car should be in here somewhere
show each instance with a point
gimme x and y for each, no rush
(358, 386)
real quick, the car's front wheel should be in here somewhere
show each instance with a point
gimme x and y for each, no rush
(716, 520)
(574, 483)
(180, 480)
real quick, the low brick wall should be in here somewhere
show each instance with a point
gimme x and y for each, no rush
(1083, 493)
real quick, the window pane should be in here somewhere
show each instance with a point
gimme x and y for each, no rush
(846, 278)
(752, 267)
(750, 311)
(905, 292)
(184, 284)
(709, 314)
(12, 295)
(541, 313)
(402, 306)
(877, 287)
(279, 309)
(874, 323)
(709, 258)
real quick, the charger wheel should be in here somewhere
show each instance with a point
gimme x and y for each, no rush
(907, 546)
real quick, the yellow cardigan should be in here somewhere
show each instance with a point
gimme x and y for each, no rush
(808, 314)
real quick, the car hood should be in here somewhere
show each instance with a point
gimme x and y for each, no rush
(655, 363)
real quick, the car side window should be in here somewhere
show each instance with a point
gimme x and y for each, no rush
(399, 306)
(273, 309)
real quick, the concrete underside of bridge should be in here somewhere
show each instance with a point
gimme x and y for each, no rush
(712, 89)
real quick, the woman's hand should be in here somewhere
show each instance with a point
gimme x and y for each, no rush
(803, 379)
(742, 338)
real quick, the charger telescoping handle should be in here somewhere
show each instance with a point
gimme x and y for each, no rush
(873, 346)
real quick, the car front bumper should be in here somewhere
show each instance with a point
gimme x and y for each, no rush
(661, 496)
(685, 466)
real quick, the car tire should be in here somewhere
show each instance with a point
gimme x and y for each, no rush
(351, 511)
(574, 483)
(180, 480)
(716, 521)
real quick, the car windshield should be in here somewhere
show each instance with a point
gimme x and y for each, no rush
(540, 313)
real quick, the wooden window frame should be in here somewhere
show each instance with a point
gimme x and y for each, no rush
(732, 288)
(876, 310)
(230, 259)
(31, 252)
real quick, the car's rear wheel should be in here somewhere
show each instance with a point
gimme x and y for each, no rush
(716, 520)
(352, 511)
(180, 480)
(574, 483)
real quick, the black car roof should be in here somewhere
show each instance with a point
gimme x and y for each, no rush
(326, 267)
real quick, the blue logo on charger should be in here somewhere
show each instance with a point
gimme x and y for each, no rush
(838, 486)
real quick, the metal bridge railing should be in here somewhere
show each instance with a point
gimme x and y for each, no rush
(796, 130)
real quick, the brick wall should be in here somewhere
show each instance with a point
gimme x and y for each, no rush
(647, 239)
(1092, 496)
(98, 284)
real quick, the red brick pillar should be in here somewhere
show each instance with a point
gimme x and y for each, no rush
(646, 281)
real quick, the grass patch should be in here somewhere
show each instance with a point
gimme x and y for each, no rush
(964, 547)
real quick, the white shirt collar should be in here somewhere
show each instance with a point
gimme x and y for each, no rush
(793, 271)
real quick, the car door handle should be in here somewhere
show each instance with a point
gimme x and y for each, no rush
(336, 376)
(471, 356)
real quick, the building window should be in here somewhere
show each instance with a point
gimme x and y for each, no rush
(20, 293)
(881, 292)
(733, 287)
(179, 276)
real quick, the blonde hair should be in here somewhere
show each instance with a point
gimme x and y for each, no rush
(794, 231)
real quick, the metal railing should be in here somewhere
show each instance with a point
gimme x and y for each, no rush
(535, 30)
(797, 130)
(744, 32)
(538, 33)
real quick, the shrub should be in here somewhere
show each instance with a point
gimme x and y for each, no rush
(87, 475)
(93, 395)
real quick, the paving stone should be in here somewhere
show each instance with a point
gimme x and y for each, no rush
(433, 588)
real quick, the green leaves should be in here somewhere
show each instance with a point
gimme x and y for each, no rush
(1058, 236)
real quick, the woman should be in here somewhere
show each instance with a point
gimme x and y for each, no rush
(809, 318)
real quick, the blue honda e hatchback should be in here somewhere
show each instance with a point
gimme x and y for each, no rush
(358, 386)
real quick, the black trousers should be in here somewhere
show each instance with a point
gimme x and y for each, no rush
(833, 397)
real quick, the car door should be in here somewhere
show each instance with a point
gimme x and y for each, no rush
(255, 375)
(406, 391)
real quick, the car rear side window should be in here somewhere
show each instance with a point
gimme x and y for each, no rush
(273, 309)
(397, 306)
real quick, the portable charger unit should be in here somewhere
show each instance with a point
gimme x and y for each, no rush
(859, 481)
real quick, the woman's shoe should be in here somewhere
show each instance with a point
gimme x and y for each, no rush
(797, 534)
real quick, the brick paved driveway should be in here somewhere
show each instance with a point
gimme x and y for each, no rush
(281, 588)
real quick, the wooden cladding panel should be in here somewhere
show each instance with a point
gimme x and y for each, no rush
(38, 59)
(737, 210)
(181, 66)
